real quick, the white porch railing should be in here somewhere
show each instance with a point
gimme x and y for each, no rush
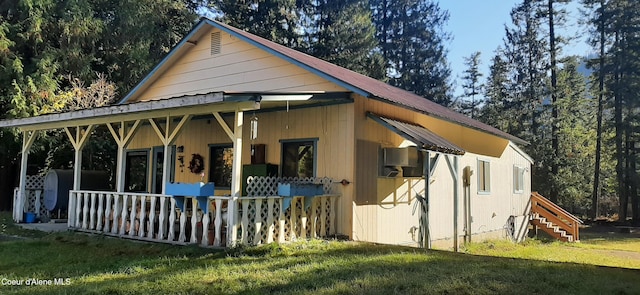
(158, 218)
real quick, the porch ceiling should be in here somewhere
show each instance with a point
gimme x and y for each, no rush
(179, 106)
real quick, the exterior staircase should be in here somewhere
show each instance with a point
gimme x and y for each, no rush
(554, 220)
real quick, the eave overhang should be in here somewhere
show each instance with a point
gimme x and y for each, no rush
(184, 105)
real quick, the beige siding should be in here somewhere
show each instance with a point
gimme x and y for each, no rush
(331, 125)
(395, 224)
(240, 67)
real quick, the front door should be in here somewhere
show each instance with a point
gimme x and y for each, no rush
(136, 167)
(158, 161)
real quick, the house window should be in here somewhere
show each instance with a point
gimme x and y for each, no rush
(299, 158)
(484, 177)
(137, 167)
(518, 179)
(220, 165)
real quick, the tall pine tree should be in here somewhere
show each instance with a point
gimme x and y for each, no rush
(412, 41)
(472, 86)
(341, 32)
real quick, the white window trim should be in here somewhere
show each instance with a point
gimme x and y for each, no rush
(483, 192)
(517, 178)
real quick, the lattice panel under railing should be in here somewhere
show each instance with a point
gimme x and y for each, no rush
(266, 215)
(34, 182)
(35, 198)
(266, 186)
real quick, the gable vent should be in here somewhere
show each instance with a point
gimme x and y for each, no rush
(216, 43)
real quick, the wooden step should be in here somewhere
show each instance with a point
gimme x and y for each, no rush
(552, 229)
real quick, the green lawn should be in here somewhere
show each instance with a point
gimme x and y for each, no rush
(101, 265)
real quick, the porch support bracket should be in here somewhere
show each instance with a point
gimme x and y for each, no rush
(168, 136)
(123, 137)
(78, 139)
(224, 125)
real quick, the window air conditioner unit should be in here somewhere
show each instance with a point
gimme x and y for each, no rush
(404, 157)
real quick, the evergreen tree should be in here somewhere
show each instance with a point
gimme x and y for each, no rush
(411, 36)
(471, 85)
(44, 41)
(275, 20)
(525, 49)
(341, 32)
(598, 20)
(576, 133)
(623, 81)
(498, 105)
(555, 13)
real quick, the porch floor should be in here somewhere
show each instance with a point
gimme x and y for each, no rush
(49, 227)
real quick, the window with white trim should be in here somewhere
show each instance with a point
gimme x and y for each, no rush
(518, 179)
(484, 176)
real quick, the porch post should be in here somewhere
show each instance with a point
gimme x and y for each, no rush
(453, 168)
(28, 137)
(123, 138)
(236, 179)
(78, 141)
(425, 219)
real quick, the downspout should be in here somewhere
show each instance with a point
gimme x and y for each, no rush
(466, 183)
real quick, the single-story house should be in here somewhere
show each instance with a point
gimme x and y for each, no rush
(295, 147)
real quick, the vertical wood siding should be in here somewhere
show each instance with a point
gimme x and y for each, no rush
(331, 125)
(490, 212)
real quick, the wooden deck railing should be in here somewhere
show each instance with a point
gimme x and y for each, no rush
(554, 213)
(159, 218)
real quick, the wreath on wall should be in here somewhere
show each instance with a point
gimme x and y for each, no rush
(196, 165)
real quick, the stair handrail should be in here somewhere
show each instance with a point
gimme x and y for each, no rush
(540, 201)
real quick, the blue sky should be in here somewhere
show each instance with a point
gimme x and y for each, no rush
(478, 25)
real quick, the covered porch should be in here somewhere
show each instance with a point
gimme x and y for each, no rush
(254, 214)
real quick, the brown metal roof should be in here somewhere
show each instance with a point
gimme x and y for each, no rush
(364, 85)
(419, 135)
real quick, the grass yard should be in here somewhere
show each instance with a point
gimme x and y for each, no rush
(101, 265)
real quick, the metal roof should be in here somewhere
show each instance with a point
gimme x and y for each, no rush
(419, 135)
(362, 84)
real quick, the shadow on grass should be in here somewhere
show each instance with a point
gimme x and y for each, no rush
(124, 267)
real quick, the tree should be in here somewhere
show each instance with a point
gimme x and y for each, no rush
(598, 39)
(556, 17)
(341, 32)
(495, 111)
(412, 37)
(623, 63)
(41, 42)
(526, 50)
(471, 85)
(576, 132)
(275, 20)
